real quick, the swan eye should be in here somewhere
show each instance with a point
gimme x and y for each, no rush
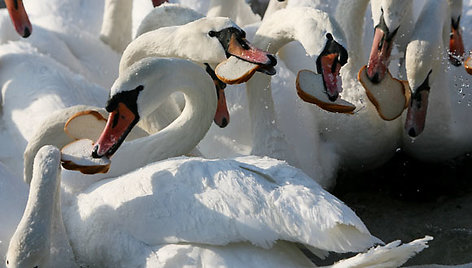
(8, 262)
(329, 36)
(212, 33)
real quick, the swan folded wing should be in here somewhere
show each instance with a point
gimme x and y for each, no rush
(391, 255)
(215, 202)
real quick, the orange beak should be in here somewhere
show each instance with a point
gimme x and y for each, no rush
(119, 124)
(330, 67)
(19, 17)
(379, 56)
(246, 51)
(222, 115)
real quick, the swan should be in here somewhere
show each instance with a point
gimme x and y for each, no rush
(60, 238)
(437, 123)
(314, 30)
(392, 16)
(353, 142)
(19, 17)
(236, 207)
(192, 32)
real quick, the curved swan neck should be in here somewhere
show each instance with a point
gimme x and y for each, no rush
(41, 226)
(116, 25)
(186, 131)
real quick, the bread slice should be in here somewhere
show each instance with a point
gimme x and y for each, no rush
(235, 71)
(310, 88)
(468, 65)
(389, 96)
(85, 125)
(77, 155)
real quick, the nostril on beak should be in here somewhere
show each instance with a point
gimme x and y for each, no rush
(273, 60)
(95, 151)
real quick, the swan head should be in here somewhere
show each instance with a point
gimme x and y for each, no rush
(213, 40)
(387, 19)
(19, 17)
(416, 115)
(329, 64)
(420, 61)
(140, 90)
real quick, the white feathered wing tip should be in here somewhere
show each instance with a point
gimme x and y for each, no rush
(390, 255)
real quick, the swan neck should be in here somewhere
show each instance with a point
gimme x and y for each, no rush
(351, 17)
(116, 25)
(182, 135)
(31, 241)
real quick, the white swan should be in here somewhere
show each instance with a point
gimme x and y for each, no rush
(314, 30)
(235, 223)
(248, 200)
(188, 36)
(439, 115)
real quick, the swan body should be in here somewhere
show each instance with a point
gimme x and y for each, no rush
(238, 209)
(244, 200)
